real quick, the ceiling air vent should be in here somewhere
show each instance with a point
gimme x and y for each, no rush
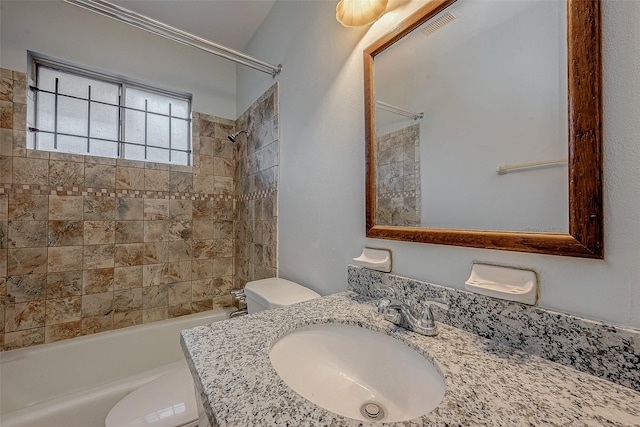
(438, 23)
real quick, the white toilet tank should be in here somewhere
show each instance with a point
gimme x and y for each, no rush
(275, 292)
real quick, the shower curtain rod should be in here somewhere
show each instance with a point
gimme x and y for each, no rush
(161, 29)
(393, 109)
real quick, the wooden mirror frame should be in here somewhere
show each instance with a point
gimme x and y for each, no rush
(584, 67)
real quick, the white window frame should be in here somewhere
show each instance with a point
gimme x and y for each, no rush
(38, 61)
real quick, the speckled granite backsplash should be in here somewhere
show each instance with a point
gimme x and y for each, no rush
(594, 347)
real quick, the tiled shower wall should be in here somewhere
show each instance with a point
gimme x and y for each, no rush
(256, 177)
(92, 244)
(398, 177)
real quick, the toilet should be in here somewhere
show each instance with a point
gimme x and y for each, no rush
(275, 292)
(169, 400)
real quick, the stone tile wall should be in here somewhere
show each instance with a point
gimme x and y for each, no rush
(92, 244)
(398, 177)
(256, 177)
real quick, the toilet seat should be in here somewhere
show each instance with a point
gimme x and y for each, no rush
(167, 401)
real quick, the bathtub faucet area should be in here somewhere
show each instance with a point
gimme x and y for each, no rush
(239, 301)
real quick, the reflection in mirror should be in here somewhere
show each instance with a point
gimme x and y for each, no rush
(491, 80)
(469, 106)
(398, 177)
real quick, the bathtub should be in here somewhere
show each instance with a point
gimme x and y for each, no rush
(74, 383)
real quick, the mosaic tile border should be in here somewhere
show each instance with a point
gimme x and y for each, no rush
(256, 195)
(107, 192)
(397, 194)
(600, 349)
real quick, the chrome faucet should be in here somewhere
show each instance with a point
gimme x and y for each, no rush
(399, 313)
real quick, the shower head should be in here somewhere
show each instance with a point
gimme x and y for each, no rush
(233, 136)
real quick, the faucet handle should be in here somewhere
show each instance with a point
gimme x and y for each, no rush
(385, 301)
(427, 320)
(438, 303)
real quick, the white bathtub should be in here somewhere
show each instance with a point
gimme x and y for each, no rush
(74, 383)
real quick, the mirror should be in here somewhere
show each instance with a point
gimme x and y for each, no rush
(483, 127)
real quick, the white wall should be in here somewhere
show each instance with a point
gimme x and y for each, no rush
(70, 33)
(322, 164)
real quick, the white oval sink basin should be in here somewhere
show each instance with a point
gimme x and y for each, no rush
(358, 373)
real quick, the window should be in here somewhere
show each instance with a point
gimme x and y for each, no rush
(83, 112)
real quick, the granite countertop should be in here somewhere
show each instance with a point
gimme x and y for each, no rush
(487, 384)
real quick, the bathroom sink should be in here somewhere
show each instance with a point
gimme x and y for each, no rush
(358, 373)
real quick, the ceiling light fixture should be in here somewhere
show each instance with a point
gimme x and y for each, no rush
(356, 13)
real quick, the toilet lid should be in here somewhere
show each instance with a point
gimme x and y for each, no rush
(167, 401)
(277, 292)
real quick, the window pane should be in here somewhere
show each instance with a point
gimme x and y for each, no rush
(180, 134)
(104, 121)
(105, 92)
(44, 141)
(158, 131)
(104, 148)
(86, 106)
(179, 158)
(157, 155)
(46, 108)
(134, 127)
(134, 152)
(180, 108)
(71, 84)
(134, 98)
(72, 144)
(156, 103)
(73, 113)
(72, 116)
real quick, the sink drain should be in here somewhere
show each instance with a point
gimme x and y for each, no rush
(372, 411)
